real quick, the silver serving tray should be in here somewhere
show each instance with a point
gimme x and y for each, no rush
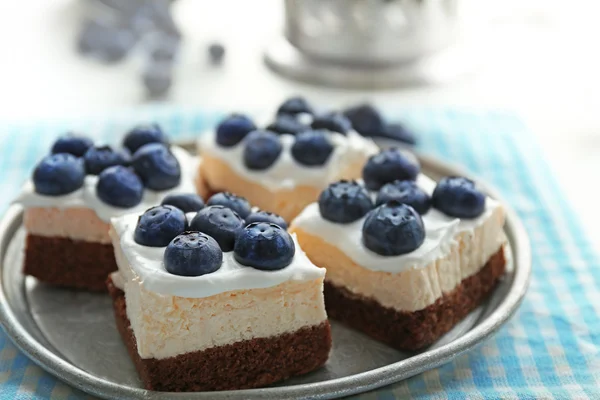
(73, 335)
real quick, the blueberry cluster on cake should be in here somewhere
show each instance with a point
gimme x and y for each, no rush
(368, 121)
(75, 190)
(216, 297)
(283, 166)
(406, 258)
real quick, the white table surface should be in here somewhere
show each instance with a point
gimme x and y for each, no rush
(536, 57)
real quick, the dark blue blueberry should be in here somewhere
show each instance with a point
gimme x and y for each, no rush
(237, 203)
(400, 133)
(264, 246)
(159, 225)
(120, 187)
(233, 129)
(406, 192)
(144, 134)
(262, 150)
(312, 148)
(58, 174)
(164, 47)
(388, 166)
(366, 120)
(72, 144)
(193, 254)
(295, 105)
(344, 202)
(393, 229)
(216, 52)
(219, 222)
(108, 43)
(97, 159)
(458, 197)
(334, 121)
(266, 216)
(186, 202)
(158, 77)
(157, 166)
(286, 123)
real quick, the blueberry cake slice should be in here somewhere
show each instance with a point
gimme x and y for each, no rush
(75, 191)
(284, 166)
(216, 297)
(406, 258)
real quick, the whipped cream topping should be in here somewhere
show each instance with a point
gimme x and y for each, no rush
(286, 172)
(85, 197)
(147, 264)
(440, 235)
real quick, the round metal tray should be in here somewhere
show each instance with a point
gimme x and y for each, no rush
(73, 336)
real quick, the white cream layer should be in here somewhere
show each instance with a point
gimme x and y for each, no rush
(86, 197)
(147, 264)
(440, 235)
(286, 172)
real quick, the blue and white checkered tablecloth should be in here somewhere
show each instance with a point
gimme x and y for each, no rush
(550, 349)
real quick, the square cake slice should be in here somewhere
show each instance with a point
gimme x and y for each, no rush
(283, 168)
(221, 327)
(70, 199)
(403, 278)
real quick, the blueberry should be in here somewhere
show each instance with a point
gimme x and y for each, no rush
(186, 202)
(286, 123)
(58, 174)
(216, 52)
(193, 254)
(400, 133)
(109, 43)
(158, 77)
(406, 192)
(387, 166)
(157, 166)
(262, 150)
(97, 159)
(393, 229)
(312, 148)
(72, 144)
(458, 197)
(295, 105)
(366, 120)
(266, 216)
(334, 121)
(219, 222)
(344, 202)
(144, 134)
(237, 203)
(264, 246)
(233, 129)
(159, 225)
(164, 47)
(120, 187)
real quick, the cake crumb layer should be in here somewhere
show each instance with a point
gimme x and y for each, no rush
(411, 331)
(69, 263)
(242, 365)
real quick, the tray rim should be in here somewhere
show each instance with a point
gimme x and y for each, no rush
(334, 388)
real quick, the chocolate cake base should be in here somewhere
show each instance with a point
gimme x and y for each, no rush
(69, 263)
(410, 331)
(242, 365)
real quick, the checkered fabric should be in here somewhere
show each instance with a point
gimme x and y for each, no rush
(550, 349)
